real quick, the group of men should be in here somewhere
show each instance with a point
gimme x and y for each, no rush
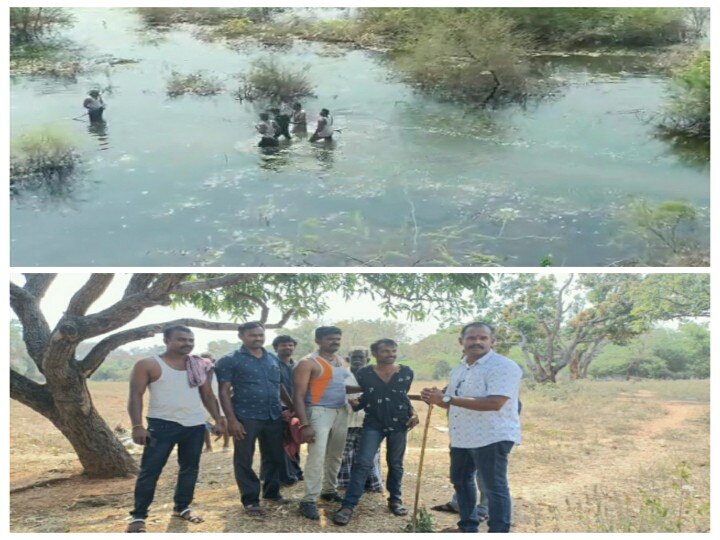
(272, 128)
(282, 404)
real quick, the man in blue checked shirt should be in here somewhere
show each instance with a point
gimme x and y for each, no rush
(250, 380)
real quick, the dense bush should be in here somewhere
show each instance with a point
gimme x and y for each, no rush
(28, 24)
(270, 81)
(688, 112)
(165, 16)
(43, 155)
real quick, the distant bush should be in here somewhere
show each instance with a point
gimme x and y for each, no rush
(669, 224)
(28, 24)
(196, 83)
(162, 16)
(275, 83)
(601, 26)
(44, 155)
(688, 112)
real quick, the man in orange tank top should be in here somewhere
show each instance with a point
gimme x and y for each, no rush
(320, 402)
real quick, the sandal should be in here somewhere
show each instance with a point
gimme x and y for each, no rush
(447, 507)
(136, 526)
(397, 508)
(254, 510)
(188, 515)
(343, 516)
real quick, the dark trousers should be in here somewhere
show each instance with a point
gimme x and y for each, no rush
(268, 142)
(290, 473)
(370, 441)
(269, 434)
(491, 462)
(164, 435)
(95, 115)
(284, 132)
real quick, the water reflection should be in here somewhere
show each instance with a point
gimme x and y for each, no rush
(324, 152)
(99, 131)
(691, 152)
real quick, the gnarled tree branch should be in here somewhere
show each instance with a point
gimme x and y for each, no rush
(30, 393)
(226, 280)
(36, 331)
(138, 283)
(37, 284)
(88, 293)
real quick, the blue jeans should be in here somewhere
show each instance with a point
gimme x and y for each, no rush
(482, 507)
(491, 462)
(370, 441)
(164, 435)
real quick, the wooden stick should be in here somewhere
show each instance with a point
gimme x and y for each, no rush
(420, 467)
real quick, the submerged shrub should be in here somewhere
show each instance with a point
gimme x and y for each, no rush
(196, 83)
(689, 109)
(271, 81)
(44, 155)
(669, 224)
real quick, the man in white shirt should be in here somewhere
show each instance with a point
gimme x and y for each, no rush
(482, 398)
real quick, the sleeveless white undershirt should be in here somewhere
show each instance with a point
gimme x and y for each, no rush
(172, 398)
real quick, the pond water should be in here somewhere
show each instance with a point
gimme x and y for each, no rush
(409, 180)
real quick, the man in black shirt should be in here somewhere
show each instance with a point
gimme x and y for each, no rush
(388, 415)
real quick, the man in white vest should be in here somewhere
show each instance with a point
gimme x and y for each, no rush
(180, 390)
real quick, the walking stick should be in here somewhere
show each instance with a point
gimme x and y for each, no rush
(420, 466)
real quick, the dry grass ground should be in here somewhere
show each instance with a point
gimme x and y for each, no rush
(596, 456)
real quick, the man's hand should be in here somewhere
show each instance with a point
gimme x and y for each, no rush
(432, 395)
(220, 428)
(236, 429)
(307, 435)
(414, 421)
(140, 435)
(353, 402)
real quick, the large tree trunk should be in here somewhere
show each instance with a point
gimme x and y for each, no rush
(574, 365)
(69, 407)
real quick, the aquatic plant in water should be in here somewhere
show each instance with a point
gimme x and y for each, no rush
(46, 155)
(197, 83)
(271, 81)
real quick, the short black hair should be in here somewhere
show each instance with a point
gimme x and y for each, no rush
(283, 339)
(170, 330)
(385, 341)
(479, 324)
(324, 111)
(249, 326)
(323, 331)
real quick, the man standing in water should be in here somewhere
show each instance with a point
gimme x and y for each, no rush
(388, 415)
(95, 106)
(282, 120)
(299, 120)
(482, 398)
(250, 396)
(321, 405)
(324, 128)
(266, 129)
(180, 387)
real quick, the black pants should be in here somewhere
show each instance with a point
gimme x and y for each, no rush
(269, 433)
(267, 142)
(95, 115)
(164, 435)
(290, 472)
(284, 132)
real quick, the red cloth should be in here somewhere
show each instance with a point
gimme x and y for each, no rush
(291, 434)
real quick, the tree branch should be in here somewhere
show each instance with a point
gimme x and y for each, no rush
(138, 283)
(36, 331)
(94, 359)
(89, 293)
(30, 393)
(226, 280)
(38, 284)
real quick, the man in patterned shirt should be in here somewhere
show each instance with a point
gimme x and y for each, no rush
(482, 398)
(250, 396)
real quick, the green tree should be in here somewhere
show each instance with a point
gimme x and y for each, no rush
(65, 399)
(29, 24)
(442, 369)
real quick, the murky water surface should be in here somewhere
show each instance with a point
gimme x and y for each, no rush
(408, 181)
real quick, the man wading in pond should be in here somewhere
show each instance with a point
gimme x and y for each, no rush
(282, 120)
(482, 398)
(266, 128)
(388, 415)
(321, 405)
(250, 381)
(180, 390)
(324, 128)
(95, 106)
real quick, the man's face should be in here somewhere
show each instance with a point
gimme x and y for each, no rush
(329, 344)
(253, 338)
(386, 354)
(477, 341)
(285, 350)
(180, 342)
(358, 359)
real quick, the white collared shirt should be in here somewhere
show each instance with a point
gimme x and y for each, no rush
(491, 375)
